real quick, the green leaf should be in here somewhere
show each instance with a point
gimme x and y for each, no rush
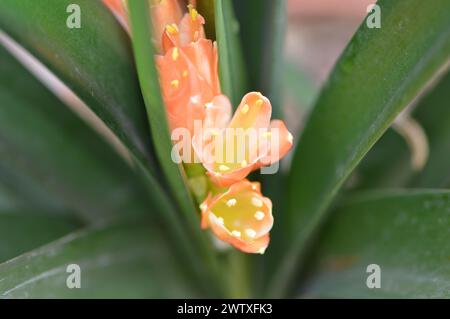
(433, 114)
(95, 61)
(405, 233)
(388, 164)
(148, 77)
(122, 260)
(379, 74)
(233, 78)
(299, 87)
(50, 158)
(262, 26)
(24, 229)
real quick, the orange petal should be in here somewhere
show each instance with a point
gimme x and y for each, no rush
(233, 153)
(254, 111)
(191, 27)
(217, 113)
(241, 217)
(119, 9)
(203, 55)
(280, 142)
(189, 30)
(164, 12)
(184, 91)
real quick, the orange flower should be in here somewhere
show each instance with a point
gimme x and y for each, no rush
(189, 29)
(247, 143)
(241, 217)
(188, 80)
(189, 67)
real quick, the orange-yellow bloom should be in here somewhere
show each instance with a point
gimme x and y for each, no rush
(241, 217)
(188, 80)
(229, 158)
(188, 68)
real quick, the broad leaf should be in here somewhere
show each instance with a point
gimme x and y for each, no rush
(379, 74)
(233, 78)
(23, 229)
(123, 260)
(404, 233)
(50, 158)
(388, 164)
(95, 61)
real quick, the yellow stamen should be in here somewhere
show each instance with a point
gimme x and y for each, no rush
(245, 109)
(172, 28)
(192, 12)
(185, 73)
(175, 54)
(175, 83)
(259, 102)
(223, 168)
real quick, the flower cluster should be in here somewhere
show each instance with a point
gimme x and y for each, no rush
(234, 209)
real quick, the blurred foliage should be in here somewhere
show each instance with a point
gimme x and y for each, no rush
(67, 197)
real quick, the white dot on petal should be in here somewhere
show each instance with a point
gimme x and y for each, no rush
(257, 202)
(236, 233)
(250, 233)
(231, 202)
(259, 215)
(290, 138)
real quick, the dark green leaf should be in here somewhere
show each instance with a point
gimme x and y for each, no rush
(388, 164)
(231, 64)
(95, 61)
(50, 158)
(24, 229)
(405, 233)
(433, 113)
(380, 73)
(123, 260)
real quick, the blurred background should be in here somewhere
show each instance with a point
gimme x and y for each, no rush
(317, 32)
